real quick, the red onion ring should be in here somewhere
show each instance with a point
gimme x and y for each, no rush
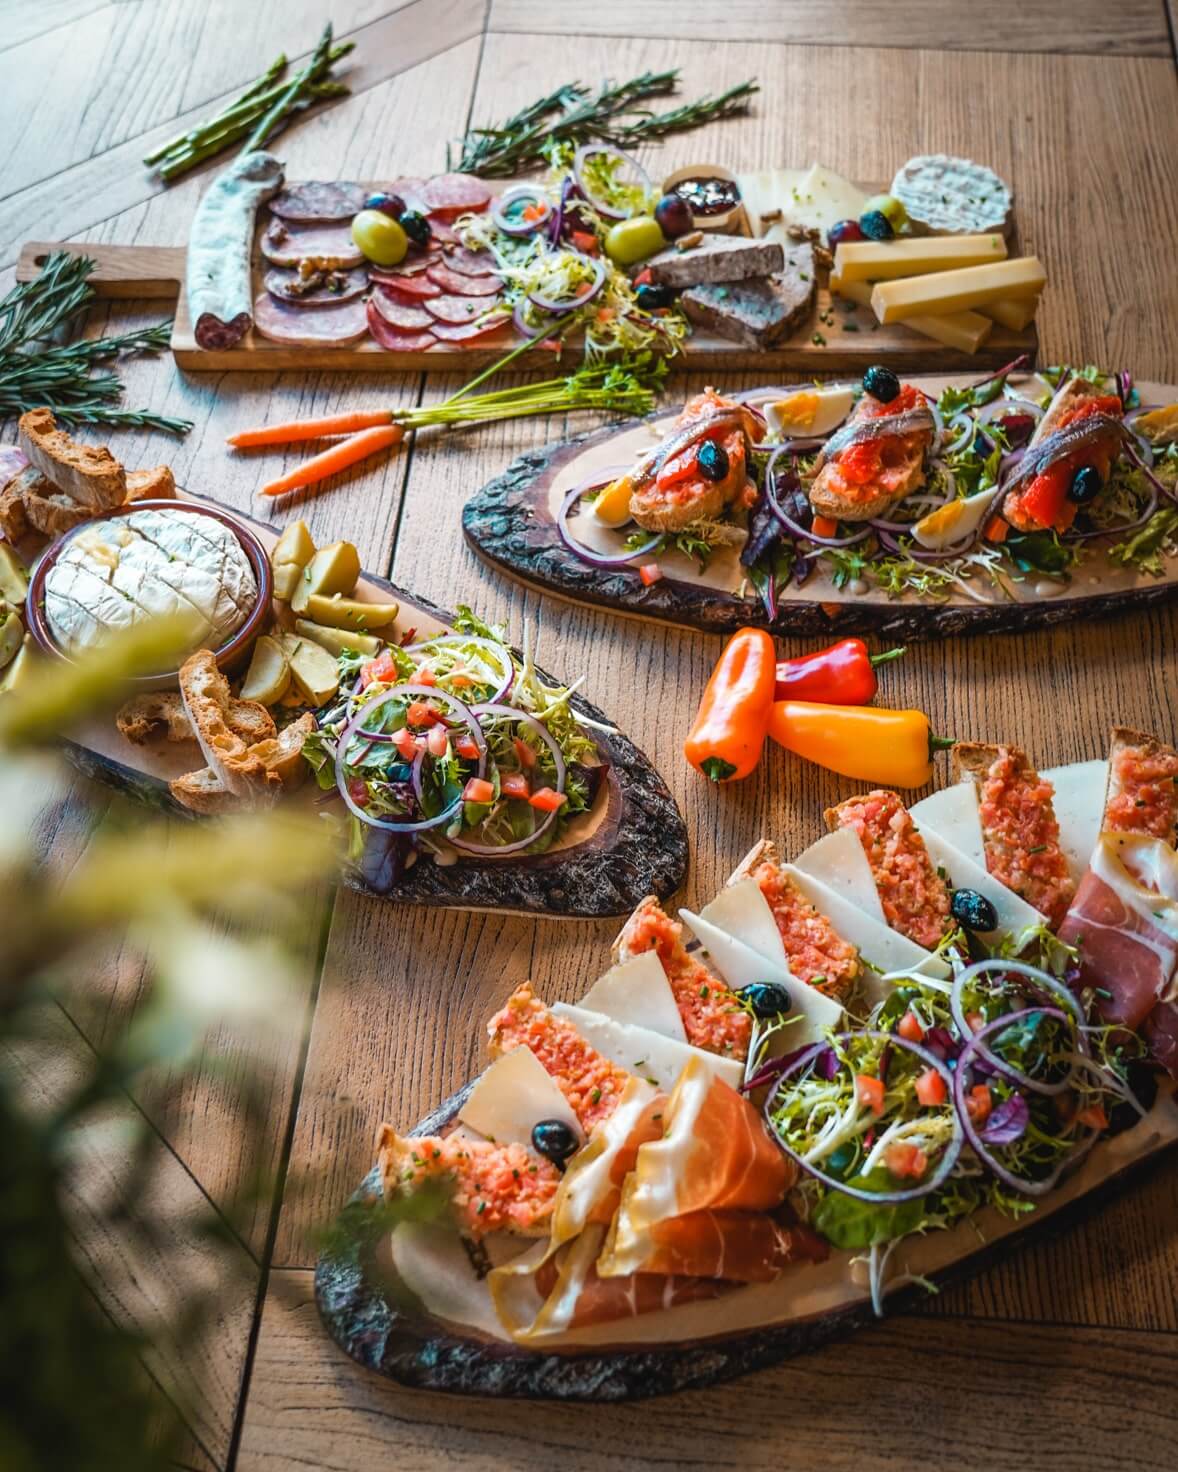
(586, 151)
(1041, 979)
(881, 1198)
(490, 708)
(531, 192)
(501, 652)
(427, 692)
(586, 554)
(559, 308)
(795, 528)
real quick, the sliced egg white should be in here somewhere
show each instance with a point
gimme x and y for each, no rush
(952, 522)
(809, 411)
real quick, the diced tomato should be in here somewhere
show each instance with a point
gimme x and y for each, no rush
(461, 680)
(533, 212)
(605, 314)
(910, 1029)
(421, 714)
(931, 1088)
(406, 743)
(381, 668)
(825, 526)
(978, 1103)
(860, 464)
(644, 278)
(650, 572)
(525, 754)
(478, 789)
(585, 243)
(976, 1021)
(466, 748)
(425, 676)
(547, 800)
(437, 743)
(358, 792)
(870, 1092)
(515, 785)
(906, 1161)
(1094, 1117)
(997, 529)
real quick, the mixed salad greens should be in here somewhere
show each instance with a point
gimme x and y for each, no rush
(454, 746)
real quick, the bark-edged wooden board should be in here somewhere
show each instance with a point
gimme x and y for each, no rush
(367, 1313)
(511, 524)
(633, 841)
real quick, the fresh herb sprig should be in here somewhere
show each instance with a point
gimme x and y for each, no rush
(36, 372)
(575, 114)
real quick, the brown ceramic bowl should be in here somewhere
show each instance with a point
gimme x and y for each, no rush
(231, 656)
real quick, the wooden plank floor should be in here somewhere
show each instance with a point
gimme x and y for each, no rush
(1064, 1357)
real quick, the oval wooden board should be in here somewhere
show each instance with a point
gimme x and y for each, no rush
(511, 524)
(373, 1318)
(632, 843)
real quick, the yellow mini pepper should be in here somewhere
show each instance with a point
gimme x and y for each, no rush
(888, 748)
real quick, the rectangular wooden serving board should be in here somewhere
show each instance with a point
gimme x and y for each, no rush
(851, 339)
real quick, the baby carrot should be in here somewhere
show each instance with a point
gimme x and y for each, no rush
(308, 429)
(335, 458)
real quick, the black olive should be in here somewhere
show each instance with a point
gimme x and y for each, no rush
(767, 998)
(555, 1140)
(649, 296)
(713, 460)
(876, 225)
(973, 911)
(1085, 484)
(882, 384)
(416, 226)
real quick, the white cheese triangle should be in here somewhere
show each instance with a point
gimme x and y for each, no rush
(743, 911)
(953, 813)
(436, 1268)
(648, 1054)
(838, 861)
(1080, 792)
(637, 991)
(511, 1096)
(1014, 914)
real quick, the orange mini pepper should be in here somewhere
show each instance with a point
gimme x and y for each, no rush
(729, 732)
(888, 748)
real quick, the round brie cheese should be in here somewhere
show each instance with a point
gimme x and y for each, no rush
(125, 569)
(950, 196)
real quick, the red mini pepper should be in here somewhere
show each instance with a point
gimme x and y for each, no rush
(843, 674)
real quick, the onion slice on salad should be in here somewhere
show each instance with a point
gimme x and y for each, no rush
(1042, 982)
(491, 709)
(586, 554)
(500, 653)
(590, 150)
(880, 1198)
(532, 194)
(557, 306)
(795, 528)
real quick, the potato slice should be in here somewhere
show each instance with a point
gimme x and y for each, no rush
(348, 613)
(334, 569)
(292, 552)
(14, 577)
(18, 671)
(336, 641)
(268, 677)
(12, 633)
(314, 671)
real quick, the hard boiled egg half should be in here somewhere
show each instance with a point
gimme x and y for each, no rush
(809, 411)
(952, 522)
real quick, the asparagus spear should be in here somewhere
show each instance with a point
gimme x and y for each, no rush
(184, 140)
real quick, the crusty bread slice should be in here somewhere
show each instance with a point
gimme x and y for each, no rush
(157, 484)
(203, 792)
(827, 500)
(283, 754)
(206, 699)
(14, 524)
(763, 852)
(1074, 391)
(1124, 738)
(53, 513)
(88, 474)
(162, 713)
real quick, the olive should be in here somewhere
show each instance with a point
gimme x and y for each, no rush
(712, 460)
(973, 911)
(876, 225)
(388, 204)
(381, 239)
(766, 998)
(891, 208)
(416, 226)
(555, 1140)
(843, 230)
(650, 297)
(882, 384)
(631, 241)
(1085, 485)
(673, 216)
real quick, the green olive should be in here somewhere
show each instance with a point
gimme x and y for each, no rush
(891, 207)
(381, 239)
(633, 240)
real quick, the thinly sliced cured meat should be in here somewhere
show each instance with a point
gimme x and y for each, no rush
(394, 341)
(456, 309)
(469, 331)
(469, 262)
(318, 201)
(218, 273)
(285, 286)
(403, 316)
(1161, 1033)
(287, 245)
(410, 190)
(455, 194)
(408, 267)
(406, 288)
(463, 285)
(332, 326)
(442, 232)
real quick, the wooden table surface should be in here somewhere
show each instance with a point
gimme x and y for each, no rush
(1068, 1356)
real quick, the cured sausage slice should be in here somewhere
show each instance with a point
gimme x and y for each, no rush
(441, 232)
(461, 285)
(468, 331)
(403, 316)
(283, 284)
(411, 289)
(469, 262)
(394, 341)
(287, 245)
(456, 309)
(455, 194)
(310, 327)
(319, 201)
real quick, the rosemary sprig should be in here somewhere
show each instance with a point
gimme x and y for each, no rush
(36, 372)
(572, 114)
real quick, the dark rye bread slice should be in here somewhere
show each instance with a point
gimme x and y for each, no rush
(716, 258)
(760, 312)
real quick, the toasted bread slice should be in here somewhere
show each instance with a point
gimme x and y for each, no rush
(53, 514)
(828, 498)
(283, 754)
(158, 484)
(14, 523)
(162, 713)
(87, 474)
(1120, 804)
(764, 851)
(206, 699)
(203, 792)
(1073, 392)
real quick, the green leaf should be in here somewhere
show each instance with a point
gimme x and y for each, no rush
(851, 1224)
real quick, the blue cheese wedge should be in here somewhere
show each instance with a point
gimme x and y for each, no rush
(953, 196)
(126, 569)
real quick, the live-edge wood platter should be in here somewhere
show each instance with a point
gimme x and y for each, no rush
(632, 842)
(511, 524)
(374, 1319)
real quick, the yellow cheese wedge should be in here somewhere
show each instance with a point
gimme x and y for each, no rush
(957, 291)
(851, 291)
(965, 331)
(874, 260)
(1015, 313)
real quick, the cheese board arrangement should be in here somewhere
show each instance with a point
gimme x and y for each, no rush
(910, 507)
(456, 771)
(937, 1032)
(790, 269)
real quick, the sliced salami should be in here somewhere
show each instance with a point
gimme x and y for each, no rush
(460, 285)
(456, 309)
(407, 288)
(410, 191)
(403, 316)
(455, 194)
(442, 232)
(470, 262)
(468, 331)
(310, 327)
(394, 341)
(319, 201)
(334, 286)
(331, 245)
